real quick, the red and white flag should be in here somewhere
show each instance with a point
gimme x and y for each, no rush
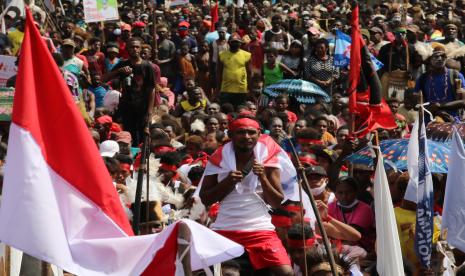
(59, 203)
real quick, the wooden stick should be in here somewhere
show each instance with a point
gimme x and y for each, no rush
(302, 222)
(147, 200)
(327, 245)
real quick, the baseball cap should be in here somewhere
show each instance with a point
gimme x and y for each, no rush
(413, 28)
(313, 31)
(123, 136)
(138, 24)
(109, 148)
(235, 37)
(317, 170)
(126, 27)
(69, 42)
(376, 30)
(105, 119)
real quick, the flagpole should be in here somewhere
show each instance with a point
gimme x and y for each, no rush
(140, 175)
(147, 205)
(327, 245)
(302, 223)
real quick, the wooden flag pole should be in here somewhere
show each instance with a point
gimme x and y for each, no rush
(326, 242)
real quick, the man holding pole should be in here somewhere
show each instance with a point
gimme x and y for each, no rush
(245, 177)
(138, 78)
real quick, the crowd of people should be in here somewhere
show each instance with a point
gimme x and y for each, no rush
(192, 77)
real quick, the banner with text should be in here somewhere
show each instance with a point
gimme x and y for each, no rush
(100, 10)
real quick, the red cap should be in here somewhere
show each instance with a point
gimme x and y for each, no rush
(105, 119)
(138, 24)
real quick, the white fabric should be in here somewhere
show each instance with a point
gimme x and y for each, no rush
(46, 217)
(389, 261)
(453, 215)
(111, 100)
(412, 164)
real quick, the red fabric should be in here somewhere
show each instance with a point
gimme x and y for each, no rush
(164, 261)
(281, 221)
(125, 167)
(213, 212)
(355, 61)
(243, 123)
(271, 159)
(214, 15)
(373, 117)
(308, 160)
(264, 247)
(49, 113)
(309, 141)
(291, 116)
(293, 208)
(105, 119)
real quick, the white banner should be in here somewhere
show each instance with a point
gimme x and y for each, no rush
(179, 3)
(100, 10)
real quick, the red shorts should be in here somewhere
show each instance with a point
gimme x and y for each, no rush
(264, 247)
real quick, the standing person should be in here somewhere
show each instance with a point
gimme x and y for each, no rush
(218, 46)
(276, 37)
(273, 71)
(166, 54)
(243, 216)
(294, 60)
(203, 64)
(94, 56)
(234, 73)
(111, 58)
(319, 67)
(138, 78)
(255, 47)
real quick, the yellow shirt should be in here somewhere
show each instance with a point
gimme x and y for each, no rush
(406, 220)
(16, 37)
(234, 71)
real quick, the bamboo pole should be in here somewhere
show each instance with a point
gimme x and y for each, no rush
(327, 245)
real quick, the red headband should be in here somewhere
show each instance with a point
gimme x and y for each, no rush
(167, 167)
(243, 123)
(125, 167)
(293, 208)
(308, 160)
(300, 243)
(281, 221)
(309, 141)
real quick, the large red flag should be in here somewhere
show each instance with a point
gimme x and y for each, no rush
(355, 61)
(59, 203)
(365, 101)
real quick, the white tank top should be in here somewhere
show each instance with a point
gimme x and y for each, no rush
(244, 211)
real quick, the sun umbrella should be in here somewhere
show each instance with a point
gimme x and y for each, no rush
(395, 155)
(303, 91)
(443, 131)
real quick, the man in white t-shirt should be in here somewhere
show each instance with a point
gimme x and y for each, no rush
(245, 187)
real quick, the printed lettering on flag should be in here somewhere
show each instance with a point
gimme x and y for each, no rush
(424, 219)
(342, 52)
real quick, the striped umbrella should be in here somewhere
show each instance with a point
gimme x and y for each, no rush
(303, 91)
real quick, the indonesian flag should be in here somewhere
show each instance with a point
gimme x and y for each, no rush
(266, 152)
(59, 204)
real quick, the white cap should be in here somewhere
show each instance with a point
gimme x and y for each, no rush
(109, 148)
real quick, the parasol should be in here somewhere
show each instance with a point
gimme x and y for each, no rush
(303, 91)
(395, 155)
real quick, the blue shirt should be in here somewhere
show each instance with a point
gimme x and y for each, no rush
(99, 93)
(434, 87)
